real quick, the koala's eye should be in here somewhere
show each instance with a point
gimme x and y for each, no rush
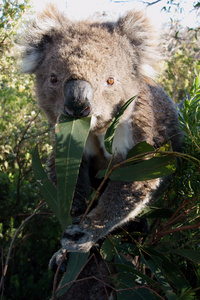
(110, 81)
(54, 78)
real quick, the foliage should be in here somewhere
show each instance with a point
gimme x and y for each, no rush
(160, 274)
(182, 52)
(170, 253)
(110, 133)
(190, 119)
(142, 164)
(10, 20)
(21, 128)
(71, 135)
(174, 221)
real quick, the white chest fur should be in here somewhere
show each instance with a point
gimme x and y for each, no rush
(123, 142)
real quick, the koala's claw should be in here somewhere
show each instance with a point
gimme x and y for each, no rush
(77, 239)
(56, 259)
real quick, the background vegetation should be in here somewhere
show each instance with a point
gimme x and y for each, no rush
(22, 126)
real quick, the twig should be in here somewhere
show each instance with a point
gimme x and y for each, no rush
(75, 280)
(135, 158)
(17, 151)
(151, 3)
(188, 227)
(190, 133)
(3, 40)
(12, 242)
(97, 193)
(95, 259)
(111, 287)
(56, 275)
(174, 216)
(2, 263)
(26, 216)
(93, 277)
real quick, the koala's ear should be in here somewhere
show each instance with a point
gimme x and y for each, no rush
(39, 33)
(137, 28)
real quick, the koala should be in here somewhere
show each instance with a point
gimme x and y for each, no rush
(88, 68)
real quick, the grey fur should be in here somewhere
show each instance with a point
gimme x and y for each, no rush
(94, 68)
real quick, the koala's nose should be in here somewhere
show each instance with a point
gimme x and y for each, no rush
(78, 98)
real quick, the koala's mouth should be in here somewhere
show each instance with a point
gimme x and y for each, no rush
(78, 112)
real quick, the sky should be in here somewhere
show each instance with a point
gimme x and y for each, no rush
(80, 9)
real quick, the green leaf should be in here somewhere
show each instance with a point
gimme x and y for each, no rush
(136, 170)
(75, 262)
(174, 275)
(156, 212)
(154, 263)
(110, 133)
(123, 265)
(108, 250)
(128, 248)
(113, 245)
(193, 255)
(140, 148)
(71, 136)
(132, 290)
(188, 294)
(165, 271)
(149, 169)
(170, 295)
(47, 189)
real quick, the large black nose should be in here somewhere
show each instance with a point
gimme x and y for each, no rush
(78, 98)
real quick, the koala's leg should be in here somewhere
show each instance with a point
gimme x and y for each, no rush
(119, 203)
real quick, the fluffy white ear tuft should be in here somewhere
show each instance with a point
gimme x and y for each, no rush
(136, 26)
(38, 34)
(30, 62)
(138, 30)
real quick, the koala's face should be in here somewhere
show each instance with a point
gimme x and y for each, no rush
(86, 71)
(85, 68)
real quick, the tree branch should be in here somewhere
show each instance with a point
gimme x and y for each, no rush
(11, 245)
(152, 3)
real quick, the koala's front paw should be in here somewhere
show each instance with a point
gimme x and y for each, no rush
(56, 260)
(77, 239)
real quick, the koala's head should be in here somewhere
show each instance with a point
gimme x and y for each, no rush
(86, 68)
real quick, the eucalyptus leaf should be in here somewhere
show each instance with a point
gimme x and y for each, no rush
(174, 275)
(112, 246)
(75, 262)
(47, 189)
(170, 295)
(123, 265)
(146, 170)
(156, 212)
(127, 281)
(170, 270)
(154, 263)
(110, 133)
(128, 248)
(140, 148)
(190, 254)
(108, 250)
(71, 135)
